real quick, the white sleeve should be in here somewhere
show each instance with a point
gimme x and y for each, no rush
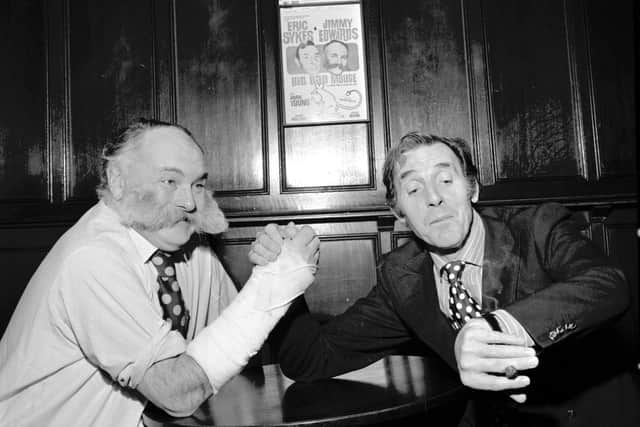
(223, 348)
(113, 320)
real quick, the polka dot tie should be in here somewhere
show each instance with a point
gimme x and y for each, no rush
(169, 292)
(462, 306)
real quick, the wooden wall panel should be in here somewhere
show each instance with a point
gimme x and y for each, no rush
(426, 80)
(535, 69)
(531, 82)
(613, 69)
(219, 89)
(346, 270)
(400, 237)
(234, 255)
(21, 251)
(24, 161)
(111, 69)
(327, 156)
(542, 88)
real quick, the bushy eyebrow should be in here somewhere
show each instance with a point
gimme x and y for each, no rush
(204, 176)
(174, 170)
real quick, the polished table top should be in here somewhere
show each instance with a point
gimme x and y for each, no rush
(393, 387)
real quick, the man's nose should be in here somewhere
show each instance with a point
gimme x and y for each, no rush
(433, 197)
(185, 199)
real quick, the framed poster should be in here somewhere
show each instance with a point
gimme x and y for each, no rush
(323, 68)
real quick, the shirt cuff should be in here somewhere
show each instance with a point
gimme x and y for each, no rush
(165, 344)
(511, 326)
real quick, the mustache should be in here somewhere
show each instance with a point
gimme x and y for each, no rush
(142, 210)
(209, 219)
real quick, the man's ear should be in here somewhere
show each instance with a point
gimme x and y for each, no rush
(398, 214)
(475, 192)
(116, 181)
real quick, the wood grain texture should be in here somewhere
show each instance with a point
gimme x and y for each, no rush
(426, 78)
(346, 272)
(110, 78)
(24, 163)
(542, 89)
(346, 269)
(529, 72)
(327, 156)
(614, 80)
(21, 251)
(219, 89)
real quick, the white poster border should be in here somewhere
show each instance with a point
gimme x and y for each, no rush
(323, 66)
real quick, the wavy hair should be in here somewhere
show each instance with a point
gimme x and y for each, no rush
(413, 140)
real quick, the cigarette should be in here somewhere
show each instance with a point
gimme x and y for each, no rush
(510, 372)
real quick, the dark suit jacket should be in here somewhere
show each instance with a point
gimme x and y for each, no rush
(537, 266)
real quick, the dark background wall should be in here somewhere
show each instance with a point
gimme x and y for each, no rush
(543, 90)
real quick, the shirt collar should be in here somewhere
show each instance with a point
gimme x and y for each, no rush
(143, 247)
(473, 249)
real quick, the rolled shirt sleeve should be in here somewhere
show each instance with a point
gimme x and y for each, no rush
(113, 316)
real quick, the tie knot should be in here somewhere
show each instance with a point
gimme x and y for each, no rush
(454, 270)
(163, 262)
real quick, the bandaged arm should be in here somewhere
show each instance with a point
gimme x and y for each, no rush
(223, 348)
(179, 385)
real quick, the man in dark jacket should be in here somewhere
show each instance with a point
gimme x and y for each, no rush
(518, 301)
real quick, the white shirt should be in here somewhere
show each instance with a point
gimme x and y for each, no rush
(89, 325)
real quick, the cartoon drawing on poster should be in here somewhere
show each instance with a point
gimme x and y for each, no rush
(323, 65)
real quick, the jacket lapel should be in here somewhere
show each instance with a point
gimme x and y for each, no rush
(499, 280)
(422, 307)
(500, 265)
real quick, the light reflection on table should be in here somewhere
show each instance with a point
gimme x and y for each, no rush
(393, 387)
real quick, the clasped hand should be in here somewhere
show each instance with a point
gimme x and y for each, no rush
(268, 244)
(286, 258)
(483, 355)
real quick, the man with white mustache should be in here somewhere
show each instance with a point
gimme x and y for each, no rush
(97, 335)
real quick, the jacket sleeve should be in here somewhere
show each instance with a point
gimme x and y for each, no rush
(577, 289)
(366, 332)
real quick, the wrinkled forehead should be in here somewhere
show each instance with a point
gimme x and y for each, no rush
(425, 158)
(166, 137)
(166, 147)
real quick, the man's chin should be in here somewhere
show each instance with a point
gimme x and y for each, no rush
(444, 244)
(176, 241)
(184, 227)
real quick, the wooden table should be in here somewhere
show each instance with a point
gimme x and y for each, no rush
(394, 387)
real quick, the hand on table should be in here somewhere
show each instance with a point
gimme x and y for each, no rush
(483, 355)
